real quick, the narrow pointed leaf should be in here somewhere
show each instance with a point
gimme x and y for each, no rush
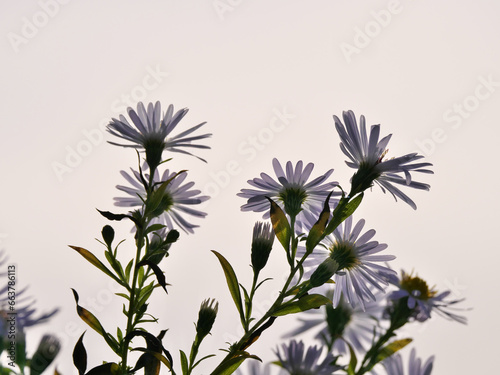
(281, 226)
(80, 356)
(344, 209)
(232, 281)
(94, 323)
(184, 363)
(316, 232)
(96, 262)
(308, 302)
(160, 277)
(351, 369)
(232, 364)
(392, 348)
(111, 216)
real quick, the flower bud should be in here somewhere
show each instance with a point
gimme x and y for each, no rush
(47, 350)
(206, 317)
(108, 234)
(262, 244)
(324, 272)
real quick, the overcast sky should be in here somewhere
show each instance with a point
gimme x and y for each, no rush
(267, 77)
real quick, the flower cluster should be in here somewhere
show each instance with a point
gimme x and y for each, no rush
(338, 275)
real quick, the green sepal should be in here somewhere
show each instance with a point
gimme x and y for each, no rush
(344, 209)
(281, 226)
(308, 302)
(232, 282)
(153, 228)
(316, 233)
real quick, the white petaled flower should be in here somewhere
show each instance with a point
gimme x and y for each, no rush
(422, 300)
(292, 191)
(152, 131)
(348, 324)
(360, 265)
(366, 154)
(393, 365)
(297, 361)
(177, 201)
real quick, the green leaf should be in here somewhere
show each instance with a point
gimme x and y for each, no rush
(80, 356)
(308, 302)
(109, 368)
(128, 269)
(391, 348)
(160, 277)
(115, 264)
(316, 233)
(96, 262)
(232, 364)
(232, 282)
(94, 323)
(184, 363)
(281, 226)
(344, 209)
(351, 370)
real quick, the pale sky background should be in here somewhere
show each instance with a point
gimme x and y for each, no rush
(428, 71)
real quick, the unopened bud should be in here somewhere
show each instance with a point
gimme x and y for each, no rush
(47, 350)
(324, 272)
(262, 243)
(206, 317)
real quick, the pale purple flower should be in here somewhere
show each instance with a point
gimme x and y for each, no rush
(152, 130)
(297, 361)
(361, 267)
(179, 195)
(393, 365)
(292, 191)
(366, 154)
(424, 300)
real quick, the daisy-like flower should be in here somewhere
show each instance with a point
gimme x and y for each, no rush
(393, 365)
(292, 191)
(298, 362)
(151, 131)
(343, 324)
(177, 201)
(359, 269)
(366, 154)
(422, 300)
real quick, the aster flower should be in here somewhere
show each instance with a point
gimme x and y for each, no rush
(358, 262)
(24, 307)
(292, 191)
(177, 201)
(422, 300)
(366, 154)
(298, 362)
(152, 131)
(393, 365)
(343, 324)
(262, 244)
